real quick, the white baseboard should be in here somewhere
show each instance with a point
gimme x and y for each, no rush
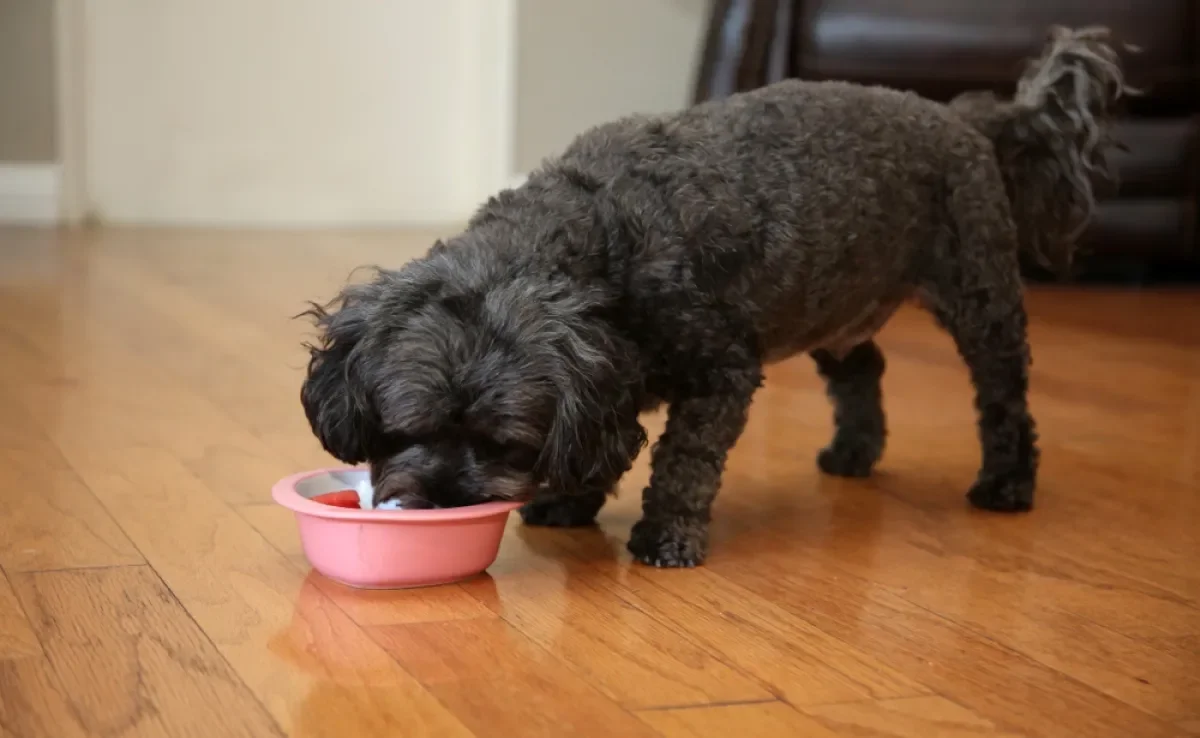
(29, 193)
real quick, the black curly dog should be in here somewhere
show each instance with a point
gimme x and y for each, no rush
(667, 259)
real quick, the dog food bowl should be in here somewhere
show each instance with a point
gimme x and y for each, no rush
(387, 549)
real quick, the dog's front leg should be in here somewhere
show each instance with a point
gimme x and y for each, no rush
(554, 509)
(686, 468)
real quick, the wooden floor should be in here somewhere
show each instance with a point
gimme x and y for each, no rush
(148, 387)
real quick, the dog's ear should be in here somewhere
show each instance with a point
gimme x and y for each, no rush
(335, 392)
(595, 436)
(338, 392)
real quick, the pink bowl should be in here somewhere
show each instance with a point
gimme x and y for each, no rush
(389, 549)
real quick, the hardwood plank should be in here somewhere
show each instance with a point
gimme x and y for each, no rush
(158, 369)
(278, 526)
(138, 460)
(123, 396)
(1087, 624)
(1097, 625)
(314, 669)
(1014, 558)
(631, 654)
(790, 656)
(914, 717)
(1101, 605)
(377, 607)
(17, 638)
(33, 703)
(130, 659)
(365, 607)
(967, 668)
(766, 720)
(501, 684)
(51, 520)
(330, 679)
(200, 340)
(1130, 669)
(1148, 553)
(795, 660)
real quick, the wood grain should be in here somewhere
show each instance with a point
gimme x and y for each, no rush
(278, 526)
(50, 519)
(794, 659)
(967, 667)
(502, 684)
(33, 703)
(149, 383)
(1090, 624)
(131, 661)
(915, 717)
(629, 652)
(304, 658)
(17, 638)
(766, 720)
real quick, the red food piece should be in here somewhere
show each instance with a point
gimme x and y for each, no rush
(344, 498)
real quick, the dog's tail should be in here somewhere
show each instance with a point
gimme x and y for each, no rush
(1052, 139)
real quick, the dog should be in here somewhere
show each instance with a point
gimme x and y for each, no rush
(666, 259)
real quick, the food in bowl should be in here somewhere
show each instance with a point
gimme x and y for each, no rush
(347, 498)
(348, 541)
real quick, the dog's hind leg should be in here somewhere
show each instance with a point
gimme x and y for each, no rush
(852, 381)
(974, 289)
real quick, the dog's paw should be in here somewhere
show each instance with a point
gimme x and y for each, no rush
(561, 512)
(672, 543)
(842, 459)
(1006, 493)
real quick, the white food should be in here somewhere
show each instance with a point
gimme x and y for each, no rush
(366, 498)
(366, 494)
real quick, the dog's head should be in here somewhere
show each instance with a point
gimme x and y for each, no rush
(458, 389)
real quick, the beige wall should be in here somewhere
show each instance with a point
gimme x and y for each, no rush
(294, 112)
(582, 62)
(373, 112)
(27, 105)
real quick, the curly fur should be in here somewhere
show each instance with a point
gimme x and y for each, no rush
(1051, 139)
(667, 259)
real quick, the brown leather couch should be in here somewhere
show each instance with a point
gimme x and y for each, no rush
(939, 48)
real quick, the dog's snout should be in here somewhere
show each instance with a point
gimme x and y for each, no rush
(400, 486)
